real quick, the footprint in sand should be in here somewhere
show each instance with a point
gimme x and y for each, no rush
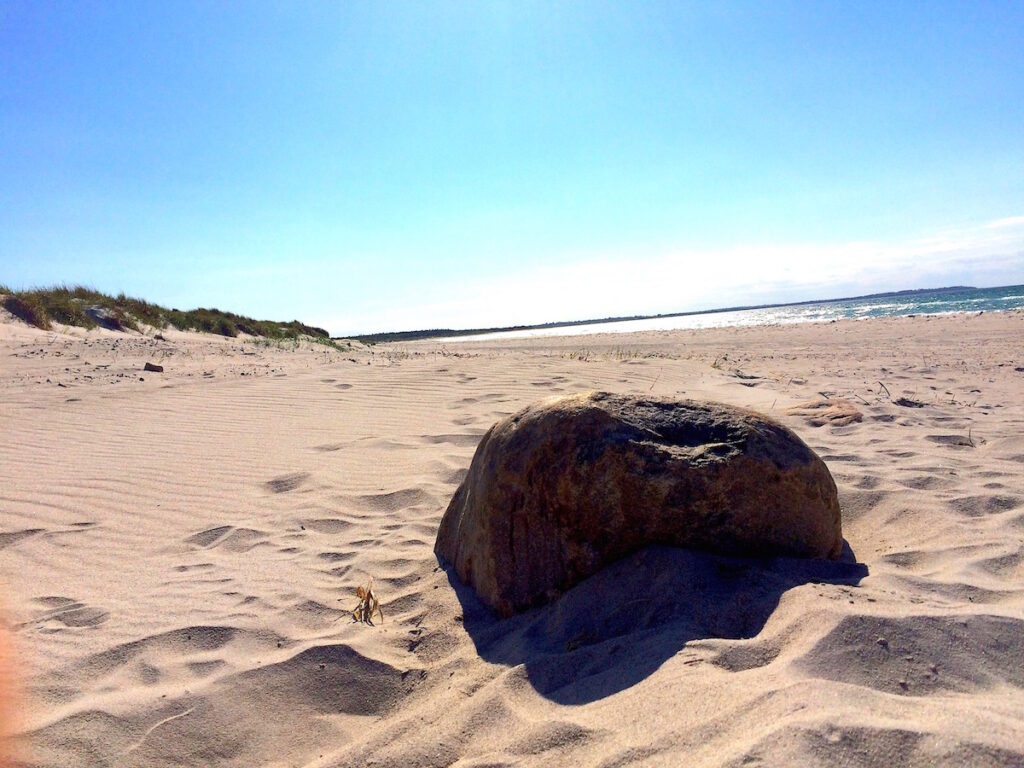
(851, 457)
(456, 476)
(9, 539)
(206, 538)
(230, 538)
(182, 642)
(327, 525)
(488, 398)
(206, 668)
(898, 655)
(925, 482)
(977, 506)
(901, 454)
(908, 559)
(856, 503)
(286, 483)
(68, 612)
(1010, 565)
(329, 679)
(391, 502)
(314, 614)
(197, 567)
(465, 440)
(336, 557)
(747, 655)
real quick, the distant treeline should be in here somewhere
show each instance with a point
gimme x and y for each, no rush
(87, 308)
(440, 333)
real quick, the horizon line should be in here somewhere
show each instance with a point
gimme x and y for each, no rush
(433, 333)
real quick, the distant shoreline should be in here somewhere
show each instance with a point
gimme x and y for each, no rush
(442, 333)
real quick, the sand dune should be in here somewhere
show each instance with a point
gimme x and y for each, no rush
(180, 552)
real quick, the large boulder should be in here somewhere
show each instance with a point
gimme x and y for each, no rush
(571, 484)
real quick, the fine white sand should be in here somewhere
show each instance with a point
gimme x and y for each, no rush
(179, 552)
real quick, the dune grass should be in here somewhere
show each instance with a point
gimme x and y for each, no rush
(81, 306)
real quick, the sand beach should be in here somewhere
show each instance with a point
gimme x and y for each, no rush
(180, 553)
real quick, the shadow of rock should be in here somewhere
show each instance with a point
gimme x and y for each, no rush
(617, 627)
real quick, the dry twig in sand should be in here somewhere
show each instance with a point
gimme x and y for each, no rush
(368, 604)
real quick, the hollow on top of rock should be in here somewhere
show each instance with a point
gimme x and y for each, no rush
(571, 484)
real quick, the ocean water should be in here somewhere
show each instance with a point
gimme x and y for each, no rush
(925, 303)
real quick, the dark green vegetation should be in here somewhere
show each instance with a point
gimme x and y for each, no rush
(88, 308)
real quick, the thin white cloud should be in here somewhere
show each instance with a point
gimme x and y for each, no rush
(1010, 221)
(625, 283)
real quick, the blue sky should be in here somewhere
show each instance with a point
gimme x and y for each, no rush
(405, 165)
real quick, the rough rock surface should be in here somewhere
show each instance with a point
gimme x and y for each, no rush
(571, 484)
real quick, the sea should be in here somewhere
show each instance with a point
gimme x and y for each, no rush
(939, 302)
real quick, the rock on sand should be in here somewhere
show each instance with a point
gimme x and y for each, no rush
(571, 484)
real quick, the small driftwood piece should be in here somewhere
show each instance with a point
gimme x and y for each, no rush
(368, 604)
(817, 413)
